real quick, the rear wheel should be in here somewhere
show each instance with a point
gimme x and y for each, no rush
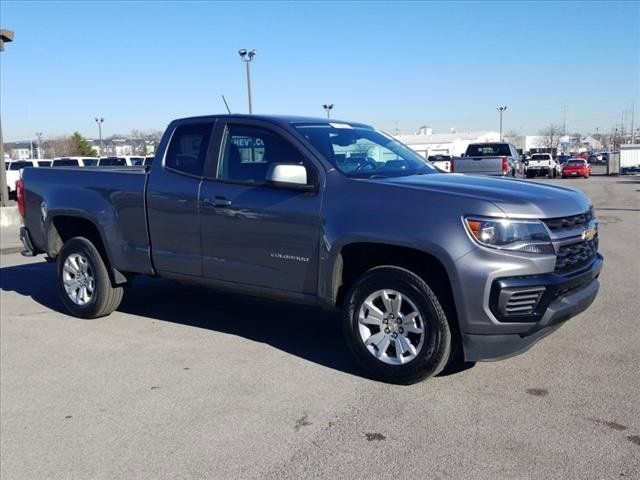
(395, 326)
(83, 280)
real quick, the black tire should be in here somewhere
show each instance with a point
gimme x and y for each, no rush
(435, 353)
(105, 297)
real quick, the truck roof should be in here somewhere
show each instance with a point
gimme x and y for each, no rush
(278, 119)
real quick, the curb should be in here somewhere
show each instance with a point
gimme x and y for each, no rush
(9, 217)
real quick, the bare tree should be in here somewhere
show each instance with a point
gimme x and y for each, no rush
(514, 137)
(59, 147)
(551, 136)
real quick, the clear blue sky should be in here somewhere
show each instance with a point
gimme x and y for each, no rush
(439, 64)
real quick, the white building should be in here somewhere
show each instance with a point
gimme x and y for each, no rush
(19, 150)
(426, 143)
(566, 143)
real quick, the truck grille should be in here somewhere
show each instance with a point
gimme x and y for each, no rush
(576, 255)
(557, 225)
(519, 301)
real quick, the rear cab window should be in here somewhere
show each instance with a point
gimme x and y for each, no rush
(489, 150)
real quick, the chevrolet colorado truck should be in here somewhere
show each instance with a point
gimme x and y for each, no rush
(425, 266)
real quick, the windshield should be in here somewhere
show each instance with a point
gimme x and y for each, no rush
(361, 152)
(577, 163)
(540, 156)
(488, 150)
(19, 165)
(137, 160)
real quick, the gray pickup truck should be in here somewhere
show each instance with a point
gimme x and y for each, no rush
(426, 267)
(498, 159)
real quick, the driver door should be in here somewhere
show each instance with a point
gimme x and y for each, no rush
(253, 233)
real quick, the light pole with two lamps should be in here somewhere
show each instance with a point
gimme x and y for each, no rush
(328, 107)
(247, 57)
(99, 121)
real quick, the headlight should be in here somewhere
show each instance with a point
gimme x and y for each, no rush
(529, 236)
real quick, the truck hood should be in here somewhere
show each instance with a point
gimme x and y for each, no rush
(516, 198)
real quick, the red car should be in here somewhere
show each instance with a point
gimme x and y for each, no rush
(576, 167)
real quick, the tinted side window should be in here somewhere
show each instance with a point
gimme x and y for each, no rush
(249, 152)
(188, 148)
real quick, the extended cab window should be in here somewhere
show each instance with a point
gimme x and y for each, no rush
(248, 153)
(188, 148)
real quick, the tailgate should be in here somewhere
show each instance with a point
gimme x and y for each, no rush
(478, 165)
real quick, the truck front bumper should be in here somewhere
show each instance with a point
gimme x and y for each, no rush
(562, 297)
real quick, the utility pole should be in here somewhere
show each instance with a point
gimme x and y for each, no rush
(501, 110)
(247, 57)
(39, 137)
(328, 107)
(5, 36)
(564, 119)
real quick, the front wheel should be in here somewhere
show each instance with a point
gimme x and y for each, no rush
(395, 326)
(83, 280)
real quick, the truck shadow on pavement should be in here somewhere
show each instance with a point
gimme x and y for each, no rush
(307, 332)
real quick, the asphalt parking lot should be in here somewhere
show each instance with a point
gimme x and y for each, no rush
(187, 383)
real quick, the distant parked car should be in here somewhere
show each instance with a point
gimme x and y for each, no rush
(576, 167)
(540, 164)
(124, 161)
(74, 162)
(595, 158)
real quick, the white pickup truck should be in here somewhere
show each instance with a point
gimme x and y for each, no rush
(13, 173)
(540, 164)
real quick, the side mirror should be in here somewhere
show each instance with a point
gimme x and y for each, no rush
(286, 175)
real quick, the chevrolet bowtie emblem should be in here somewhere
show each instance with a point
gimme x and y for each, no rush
(589, 233)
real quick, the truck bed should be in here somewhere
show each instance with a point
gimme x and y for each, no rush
(112, 198)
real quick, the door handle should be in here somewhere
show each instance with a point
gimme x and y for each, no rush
(217, 202)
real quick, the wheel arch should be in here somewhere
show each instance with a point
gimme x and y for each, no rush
(62, 227)
(355, 258)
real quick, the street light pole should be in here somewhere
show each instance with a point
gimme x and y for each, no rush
(501, 110)
(5, 36)
(39, 137)
(99, 121)
(328, 107)
(247, 57)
